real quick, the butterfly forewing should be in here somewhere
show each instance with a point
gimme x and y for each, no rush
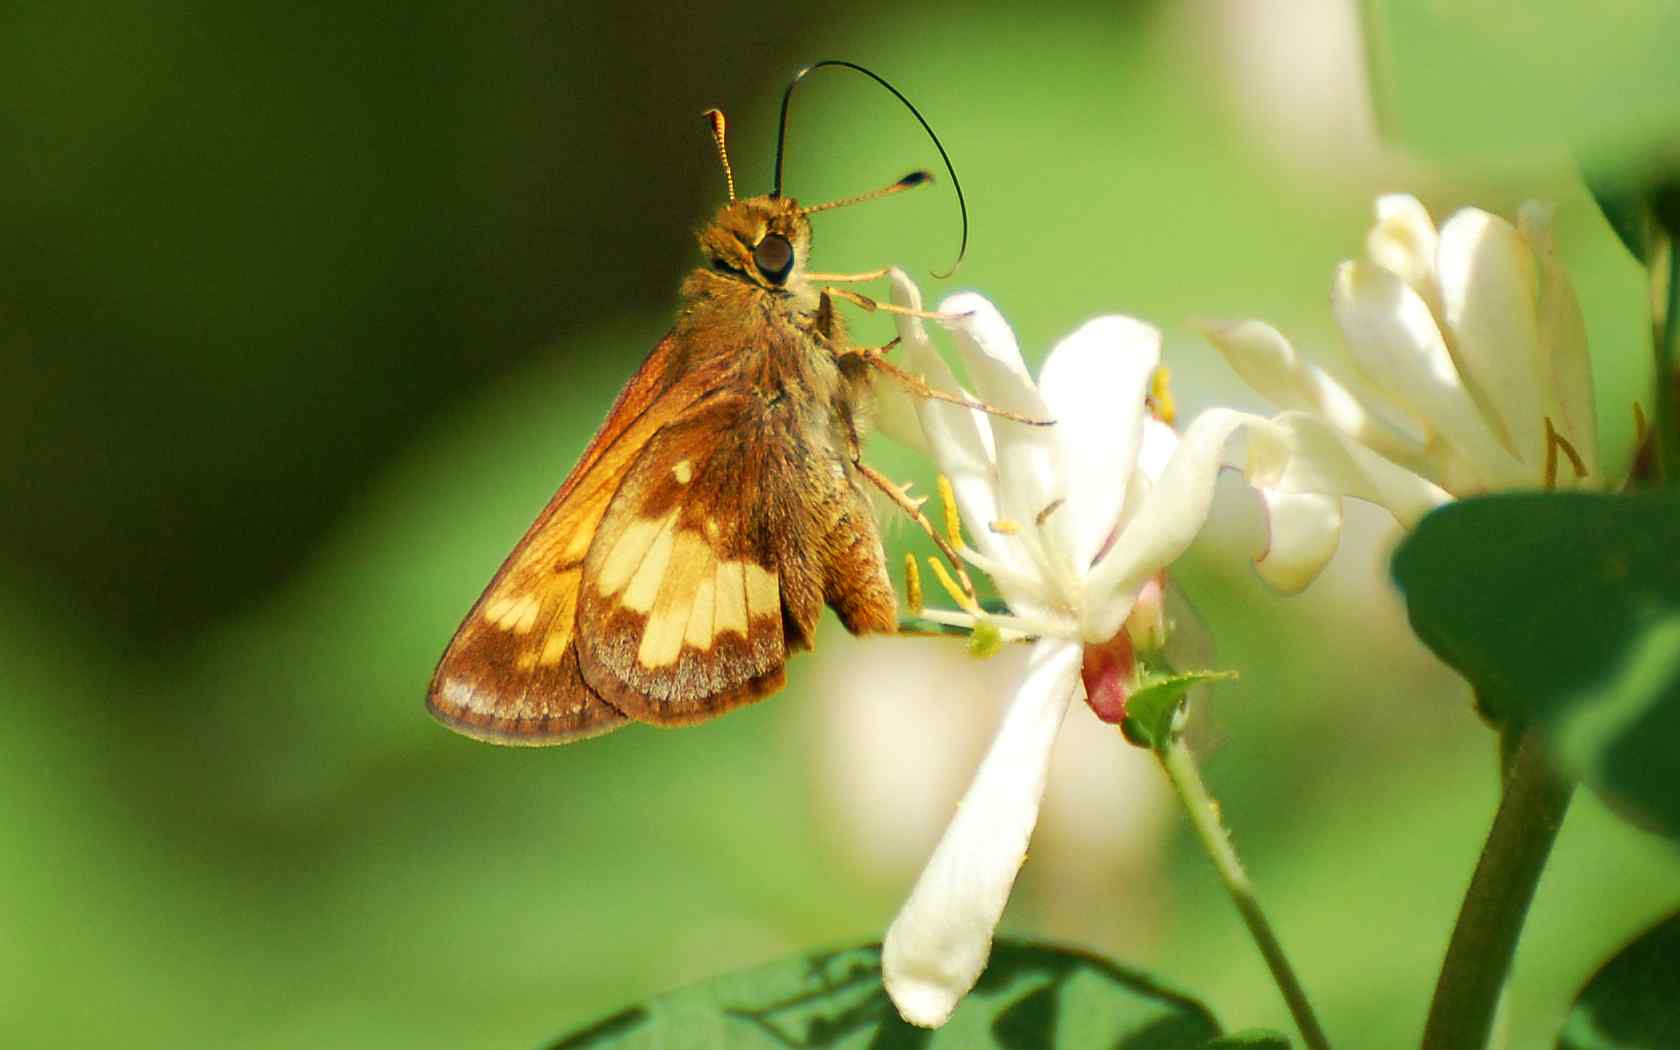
(510, 675)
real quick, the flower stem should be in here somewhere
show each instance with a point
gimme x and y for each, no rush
(1204, 817)
(1485, 939)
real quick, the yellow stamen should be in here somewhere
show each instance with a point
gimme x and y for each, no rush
(912, 585)
(1160, 396)
(1051, 508)
(953, 521)
(1004, 527)
(957, 594)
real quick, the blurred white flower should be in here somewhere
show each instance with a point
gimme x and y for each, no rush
(1473, 377)
(1074, 523)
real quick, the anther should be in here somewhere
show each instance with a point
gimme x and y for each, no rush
(912, 585)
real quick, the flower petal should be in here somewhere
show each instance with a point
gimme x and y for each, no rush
(1030, 472)
(894, 415)
(1093, 384)
(1488, 289)
(1267, 362)
(991, 355)
(1164, 525)
(939, 942)
(1156, 450)
(1296, 452)
(1303, 529)
(1563, 335)
(1404, 243)
(960, 438)
(1392, 335)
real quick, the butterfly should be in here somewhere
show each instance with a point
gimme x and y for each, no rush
(719, 507)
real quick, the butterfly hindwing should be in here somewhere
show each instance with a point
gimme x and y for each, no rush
(713, 562)
(681, 611)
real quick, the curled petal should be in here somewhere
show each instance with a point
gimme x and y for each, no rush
(1267, 362)
(939, 943)
(991, 355)
(1302, 531)
(1563, 336)
(895, 416)
(1030, 473)
(912, 331)
(1488, 289)
(1296, 452)
(1404, 242)
(1164, 525)
(1094, 383)
(1159, 443)
(1155, 451)
(961, 438)
(1392, 336)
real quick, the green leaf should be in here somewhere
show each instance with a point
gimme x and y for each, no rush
(1628, 213)
(1030, 997)
(1152, 711)
(1249, 1039)
(1630, 1003)
(1665, 206)
(1563, 609)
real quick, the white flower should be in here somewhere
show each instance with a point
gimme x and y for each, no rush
(1473, 377)
(1072, 522)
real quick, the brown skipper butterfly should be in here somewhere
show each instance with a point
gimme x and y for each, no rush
(719, 507)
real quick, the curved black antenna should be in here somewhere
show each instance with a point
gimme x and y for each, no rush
(781, 141)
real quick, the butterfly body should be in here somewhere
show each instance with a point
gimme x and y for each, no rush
(716, 511)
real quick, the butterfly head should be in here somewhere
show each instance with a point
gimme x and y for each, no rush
(759, 240)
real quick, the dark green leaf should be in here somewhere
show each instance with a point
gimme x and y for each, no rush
(1665, 205)
(1564, 609)
(1152, 711)
(1633, 1002)
(1030, 997)
(1627, 212)
(1249, 1039)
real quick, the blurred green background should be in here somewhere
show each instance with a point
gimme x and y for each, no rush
(303, 316)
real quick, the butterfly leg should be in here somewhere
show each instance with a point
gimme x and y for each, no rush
(913, 508)
(848, 278)
(872, 305)
(875, 357)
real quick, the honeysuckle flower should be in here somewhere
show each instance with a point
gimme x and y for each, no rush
(1074, 523)
(1472, 376)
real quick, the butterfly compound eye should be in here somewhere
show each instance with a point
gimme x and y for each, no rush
(774, 258)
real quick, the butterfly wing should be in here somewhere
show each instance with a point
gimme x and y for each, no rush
(690, 550)
(510, 675)
(714, 559)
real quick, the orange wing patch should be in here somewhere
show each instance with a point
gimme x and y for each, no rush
(681, 610)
